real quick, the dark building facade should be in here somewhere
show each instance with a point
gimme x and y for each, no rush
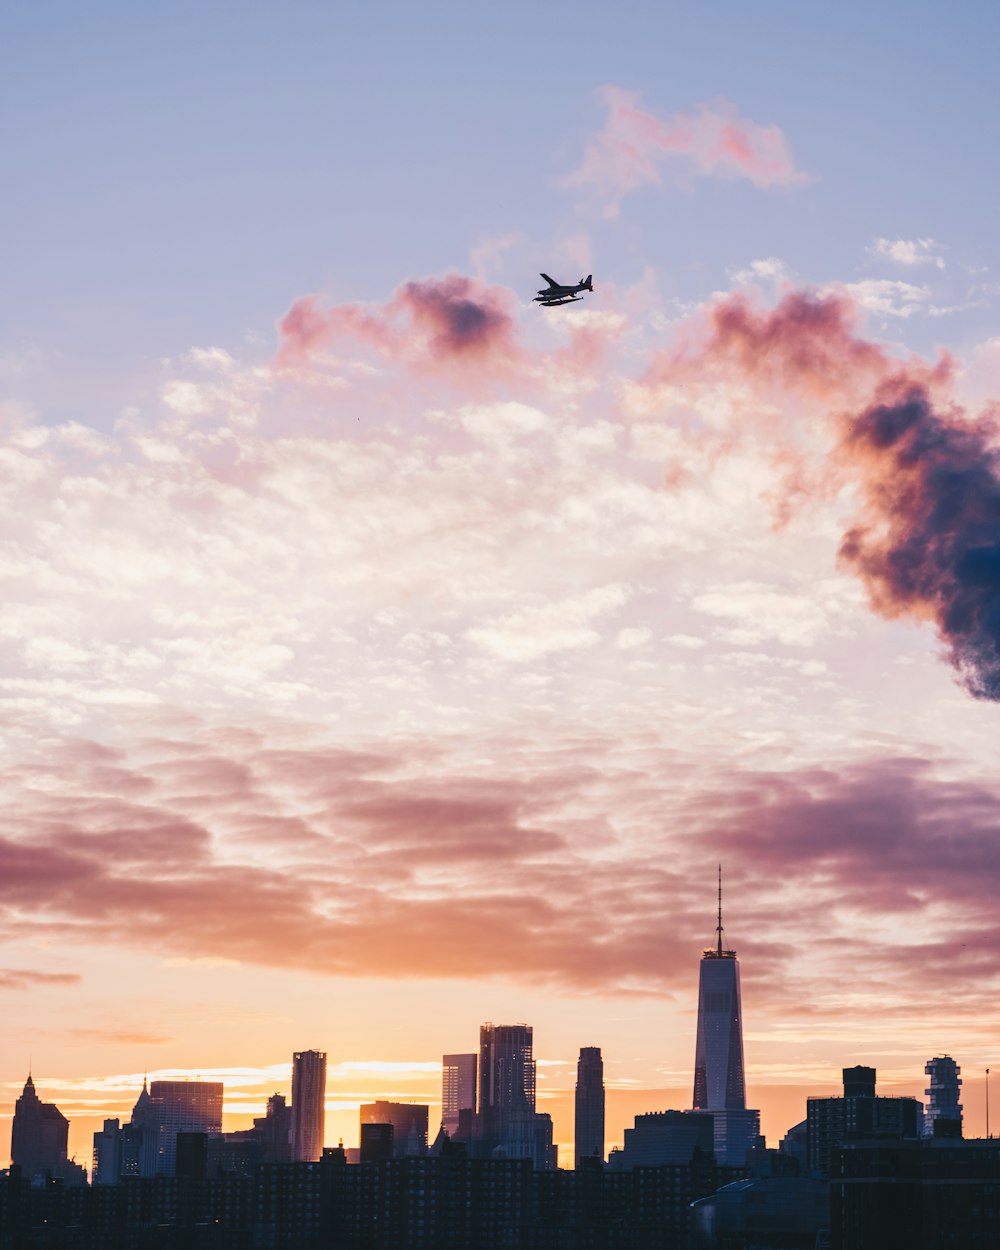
(409, 1122)
(921, 1195)
(38, 1139)
(859, 1113)
(589, 1118)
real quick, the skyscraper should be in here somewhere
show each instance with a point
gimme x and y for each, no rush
(38, 1138)
(308, 1105)
(458, 1089)
(719, 1083)
(182, 1107)
(589, 1134)
(508, 1125)
(943, 1114)
(506, 1075)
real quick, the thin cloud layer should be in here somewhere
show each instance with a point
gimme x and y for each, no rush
(403, 868)
(712, 142)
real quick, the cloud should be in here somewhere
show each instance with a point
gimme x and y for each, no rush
(541, 868)
(891, 298)
(713, 142)
(449, 323)
(928, 542)
(556, 626)
(27, 978)
(908, 252)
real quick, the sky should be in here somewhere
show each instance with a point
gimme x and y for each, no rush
(382, 654)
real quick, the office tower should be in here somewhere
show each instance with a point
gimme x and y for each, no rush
(589, 1122)
(830, 1122)
(180, 1107)
(408, 1120)
(308, 1105)
(458, 1089)
(943, 1113)
(377, 1142)
(719, 1083)
(38, 1135)
(507, 1124)
(107, 1166)
(506, 1076)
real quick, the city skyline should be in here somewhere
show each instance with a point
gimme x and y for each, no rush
(383, 653)
(508, 1081)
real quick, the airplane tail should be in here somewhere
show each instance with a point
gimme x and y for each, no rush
(588, 282)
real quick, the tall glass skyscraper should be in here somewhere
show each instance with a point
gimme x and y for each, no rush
(308, 1105)
(719, 1082)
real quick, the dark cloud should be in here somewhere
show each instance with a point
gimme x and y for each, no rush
(929, 543)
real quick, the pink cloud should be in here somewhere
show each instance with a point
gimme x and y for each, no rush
(537, 888)
(927, 542)
(714, 142)
(450, 324)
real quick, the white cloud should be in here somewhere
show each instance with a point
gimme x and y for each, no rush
(768, 270)
(629, 639)
(561, 625)
(891, 298)
(908, 252)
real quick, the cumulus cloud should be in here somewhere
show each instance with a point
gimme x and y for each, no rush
(714, 141)
(454, 322)
(891, 298)
(928, 542)
(908, 252)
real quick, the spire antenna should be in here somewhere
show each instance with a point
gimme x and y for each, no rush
(718, 927)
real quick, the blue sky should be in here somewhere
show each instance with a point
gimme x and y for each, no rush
(180, 172)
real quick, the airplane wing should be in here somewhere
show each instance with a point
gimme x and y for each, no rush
(550, 281)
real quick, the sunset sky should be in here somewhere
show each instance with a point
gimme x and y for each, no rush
(383, 654)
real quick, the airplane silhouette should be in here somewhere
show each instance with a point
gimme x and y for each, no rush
(554, 295)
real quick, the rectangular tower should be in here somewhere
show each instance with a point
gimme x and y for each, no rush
(458, 1089)
(506, 1076)
(308, 1105)
(589, 1135)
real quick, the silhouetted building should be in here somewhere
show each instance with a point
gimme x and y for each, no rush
(666, 1137)
(589, 1120)
(458, 1089)
(38, 1139)
(181, 1107)
(943, 1112)
(308, 1104)
(830, 1122)
(107, 1164)
(918, 1195)
(506, 1076)
(792, 1212)
(794, 1145)
(409, 1124)
(274, 1131)
(719, 1081)
(377, 1141)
